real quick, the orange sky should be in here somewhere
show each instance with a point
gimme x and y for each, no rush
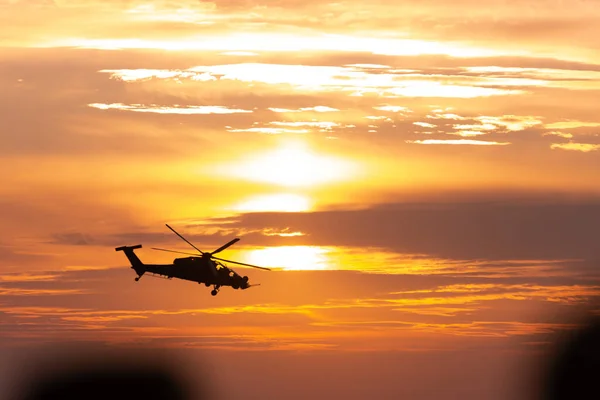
(424, 176)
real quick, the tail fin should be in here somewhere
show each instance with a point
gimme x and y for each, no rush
(136, 263)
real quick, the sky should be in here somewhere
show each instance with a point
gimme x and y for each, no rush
(422, 176)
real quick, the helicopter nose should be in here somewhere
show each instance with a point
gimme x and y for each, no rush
(245, 282)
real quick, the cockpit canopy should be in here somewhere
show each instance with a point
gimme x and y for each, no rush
(186, 260)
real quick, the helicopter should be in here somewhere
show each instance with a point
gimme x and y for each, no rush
(201, 268)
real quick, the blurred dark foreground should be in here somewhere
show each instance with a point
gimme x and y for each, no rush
(570, 371)
(97, 372)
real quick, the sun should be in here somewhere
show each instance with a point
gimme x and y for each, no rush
(293, 164)
(298, 258)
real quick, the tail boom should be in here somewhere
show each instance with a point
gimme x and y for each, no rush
(136, 263)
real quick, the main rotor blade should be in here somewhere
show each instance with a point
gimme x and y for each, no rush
(173, 251)
(184, 239)
(225, 246)
(240, 263)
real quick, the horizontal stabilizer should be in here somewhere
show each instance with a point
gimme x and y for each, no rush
(123, 248)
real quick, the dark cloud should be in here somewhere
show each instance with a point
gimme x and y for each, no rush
(76, 239)
(478, 230)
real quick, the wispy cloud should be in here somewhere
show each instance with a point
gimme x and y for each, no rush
(8, 291)
(323, 125)
(424, 124)
(392, 108)
(271, 131)
(153, 108)
(458, 142)
(319, 109)
(357, 81)
(27, 277)
(512, 123)
(559, 134)
(572, 146)
(571, 125)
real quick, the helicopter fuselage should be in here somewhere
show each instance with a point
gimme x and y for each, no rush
(199, 268)
(195, 269)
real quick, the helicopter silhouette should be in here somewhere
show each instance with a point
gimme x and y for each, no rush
(201, 268)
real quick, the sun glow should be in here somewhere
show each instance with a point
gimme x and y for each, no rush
(292, 165)
(275, 203)
(289, 257)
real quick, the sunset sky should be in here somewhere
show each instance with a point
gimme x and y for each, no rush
(422, 175)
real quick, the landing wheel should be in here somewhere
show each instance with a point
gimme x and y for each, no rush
(214, 292)
(137, 279)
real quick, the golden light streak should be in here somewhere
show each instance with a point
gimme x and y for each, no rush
(288, 257)
(28, 277)
(4, 291)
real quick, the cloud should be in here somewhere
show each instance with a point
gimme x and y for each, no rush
(458, 142)
(559, 134)
(390, 83)
(344, 310)
(424, 124)
(392, 108)
(512, 123)
(153, 108)
(323, 125)
(272, 131)
(27, 277)
(571, 125)
(582, 147)
(75, 238)
(315, 108)
(7, 291)
(504, 228)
